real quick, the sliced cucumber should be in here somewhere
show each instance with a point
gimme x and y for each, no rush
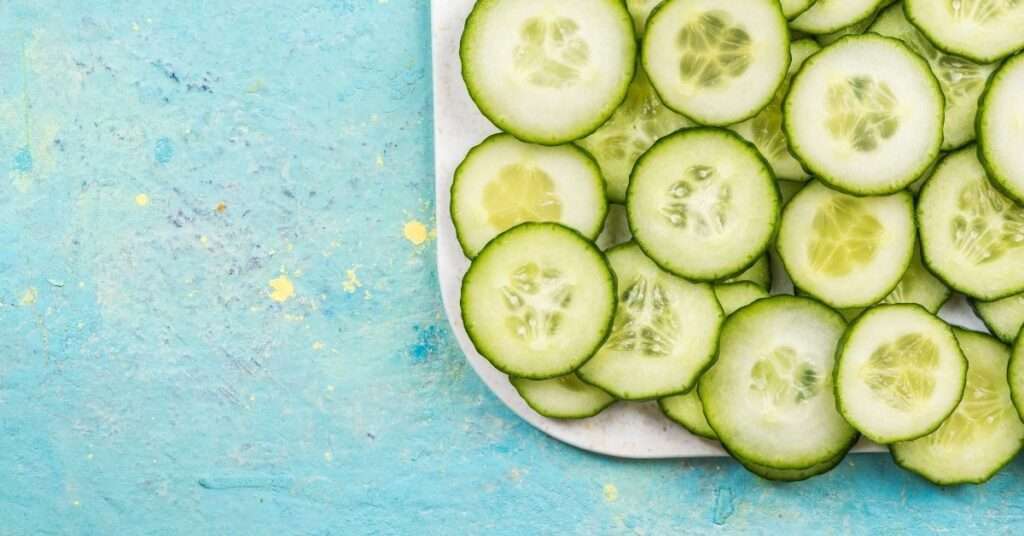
(538, 301)
(637, 124)
(827, 16)
(716, 62)
(791, 475)
(982, 435)
(1001, 127)
(735, 296)
(981, 30)
(1003, 317)
(865, 115)
(665, 331)
(686, 411)
(900, 373)
(563, 398)
(1015, 375)
(765, 129)
(962, 81)
(759, 274)
(853, 29)
(504, 182)
(703, 204)
(917, 285)
(769, 396)
(846, 251)
(548, 71)
(972, 236)
(793, 8)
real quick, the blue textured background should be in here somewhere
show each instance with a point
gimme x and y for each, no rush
(160, 164)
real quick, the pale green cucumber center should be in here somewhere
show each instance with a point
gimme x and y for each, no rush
(551, 53)
(521, 193)
(713, 49)
(862, 111)
(645, 321)
(981, 11)
(782, 380)
(535, 299)
(844, 236)
(979, 411)
(699, 202)
(902, 372)
(642, 119)
(767, 130)
(987, 225)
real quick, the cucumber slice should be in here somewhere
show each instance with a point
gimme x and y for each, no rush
(900, 373)
(717, 63)
(793, 8)
(962, 81)
(759, 274)
(637, 124)
(665, 332)
(765, 129)
(703, 204)
(865, 115)
(1003, 317)
(981, 30)
(846, 251)
(983, 434)
(769, 396)
(917, 285)
(504, 182)
(791, 475)
(1001, 128)
(538, 301)
(686, 411)
(827, 16)
(735, 296)
(548, 71)
(972, 236)
(563, 398)
(1015, 375)
(853, 29)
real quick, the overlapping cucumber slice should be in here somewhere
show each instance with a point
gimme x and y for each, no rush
(981, 30)
(563, 398)
(1001, 128)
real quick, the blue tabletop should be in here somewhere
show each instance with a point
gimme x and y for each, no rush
(219, 311)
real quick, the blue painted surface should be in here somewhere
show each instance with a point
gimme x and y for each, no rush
(167, 162)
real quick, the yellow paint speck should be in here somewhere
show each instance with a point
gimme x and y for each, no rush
(352, 282)
(318, 345)
(142, 200)
(30, 296)
(282, 289)
(611, 493)
(416, 232)
(221, 207)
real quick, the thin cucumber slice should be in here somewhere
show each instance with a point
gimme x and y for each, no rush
(769, 396)
(962, 81)
(793, 8)
(665, 332)
(865, 115)
(640, 121)
(538, 301)
(686, 411)
(1003, 317)
(847, 251)
(504, 182)
(563, 398)
(791, 475)
(980, 30)
(917, 285)
(983, 434)
(765, 129)
(900, 373)
(827, 16)
(853, 29)
(759, 274)
(717, 63)
(735, 296)
(548, 71)
(1001, 127)
(616, 228)
(972, 236)
(1015, 375)
(703, 204)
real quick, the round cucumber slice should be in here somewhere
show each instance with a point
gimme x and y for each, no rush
(769, 395)
(504, 182)
(1015, 375)
(982, 435)
(735, 296)
(972, 236)
(563, 398)
(962, 81)
(791, 475)
(917, 285)
(686, 411)
(980, 30)
(865, 115)
(846, 251)
(664, 335)
(900, 373)
(1001, 128)
(765, 129)
(715, 62)
(538, 301)
(640, 121)
(759, 274)
(827, 16)
(703, 204)
(548, 71)
(1003, 317)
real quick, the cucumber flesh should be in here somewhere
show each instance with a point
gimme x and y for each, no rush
(981, 30)
(759, 274)
(1015, 376)
(563, 398)
(686, 411)
(664, 335)
(793, 8)
(769, 395)
(1003, 317)
(1001, 128)
(735, 296)
(538, 301)
(504, 182)
(827, 16)
(972, 236)
(983, 434)
(917, 285)
(900, 373)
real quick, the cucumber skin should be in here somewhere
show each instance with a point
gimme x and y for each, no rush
(1016, 360)
(608, 323)
(775, 185)
(687, 427)
(867, 15)
(977, 312)
(780, 478)
(551, 415)
(950, 50)
(996, 179)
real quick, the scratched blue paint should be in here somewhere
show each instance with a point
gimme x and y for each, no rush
(158, 390)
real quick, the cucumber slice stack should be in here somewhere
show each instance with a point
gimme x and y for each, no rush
(880, 164)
